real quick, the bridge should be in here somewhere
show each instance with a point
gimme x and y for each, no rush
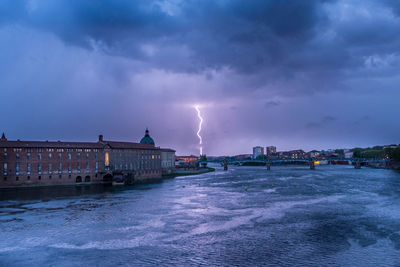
(304, 161)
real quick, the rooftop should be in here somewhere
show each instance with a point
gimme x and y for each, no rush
(4, 143)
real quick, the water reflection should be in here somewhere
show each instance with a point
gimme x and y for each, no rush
(50, 192)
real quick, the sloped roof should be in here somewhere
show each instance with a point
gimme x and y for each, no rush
(129, 145)
(49, 144)
(167, 150)
(59, 144)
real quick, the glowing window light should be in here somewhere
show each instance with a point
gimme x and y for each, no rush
(107, 159)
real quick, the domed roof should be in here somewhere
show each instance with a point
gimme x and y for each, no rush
(147, 139)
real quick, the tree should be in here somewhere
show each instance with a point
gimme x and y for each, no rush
(394, 153)
(372, 153)
(340, 152)
(357, 152)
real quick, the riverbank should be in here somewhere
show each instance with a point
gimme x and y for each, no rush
(390, 166)
(188, 173)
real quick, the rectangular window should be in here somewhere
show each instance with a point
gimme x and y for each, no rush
(17, 168)
(5, 156)
(28, 168)
(59, 156)
(60, 167)
(78, 156)
(50, 155)
(39, 156)
(79, 167)
(17, 156)
(5, 169)
(50, 168)
(107, 159)
(69, 156)
(40, 168)
(97, 166)
(28, 156)
(69, 167)
(87, 167)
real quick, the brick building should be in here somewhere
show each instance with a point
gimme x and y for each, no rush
(29, 163)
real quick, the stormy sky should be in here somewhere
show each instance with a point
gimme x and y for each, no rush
(295, 74)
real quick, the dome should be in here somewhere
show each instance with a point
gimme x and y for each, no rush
(147, 139)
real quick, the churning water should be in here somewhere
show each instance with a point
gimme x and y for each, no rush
(289, 216)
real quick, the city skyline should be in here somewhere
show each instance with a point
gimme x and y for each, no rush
(292, 74)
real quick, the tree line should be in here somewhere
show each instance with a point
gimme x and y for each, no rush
(377, 152)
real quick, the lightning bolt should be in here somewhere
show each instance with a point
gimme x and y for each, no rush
(198, 132)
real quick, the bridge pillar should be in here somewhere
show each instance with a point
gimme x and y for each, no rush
(312, 164)
(225, 165)
(357, 165)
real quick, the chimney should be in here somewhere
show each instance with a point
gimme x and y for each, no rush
(3, 137)
(100, 138)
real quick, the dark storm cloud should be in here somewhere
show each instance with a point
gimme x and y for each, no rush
(271, 103)
(326, 120)
(244, 35)
(280, 39)
(248, 36)
(361, 120)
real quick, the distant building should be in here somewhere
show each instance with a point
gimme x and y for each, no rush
(190, 158)
(270, 150)
(332, 155)
(314, 153)
(391, 146)
(258, 151)
(348, 154)
(273, 155)
(187, 162)
(243, 156)
(293, 154)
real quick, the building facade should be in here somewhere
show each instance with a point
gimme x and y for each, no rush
(270, 150)
(31, 163)
(258, 151)
(314, 153)
(168, 161)
(348, 154)
(187, 162)
(293, 154)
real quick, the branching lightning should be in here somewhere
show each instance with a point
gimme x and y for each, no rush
(198, 132)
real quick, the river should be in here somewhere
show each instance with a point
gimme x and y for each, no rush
(289, 216)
